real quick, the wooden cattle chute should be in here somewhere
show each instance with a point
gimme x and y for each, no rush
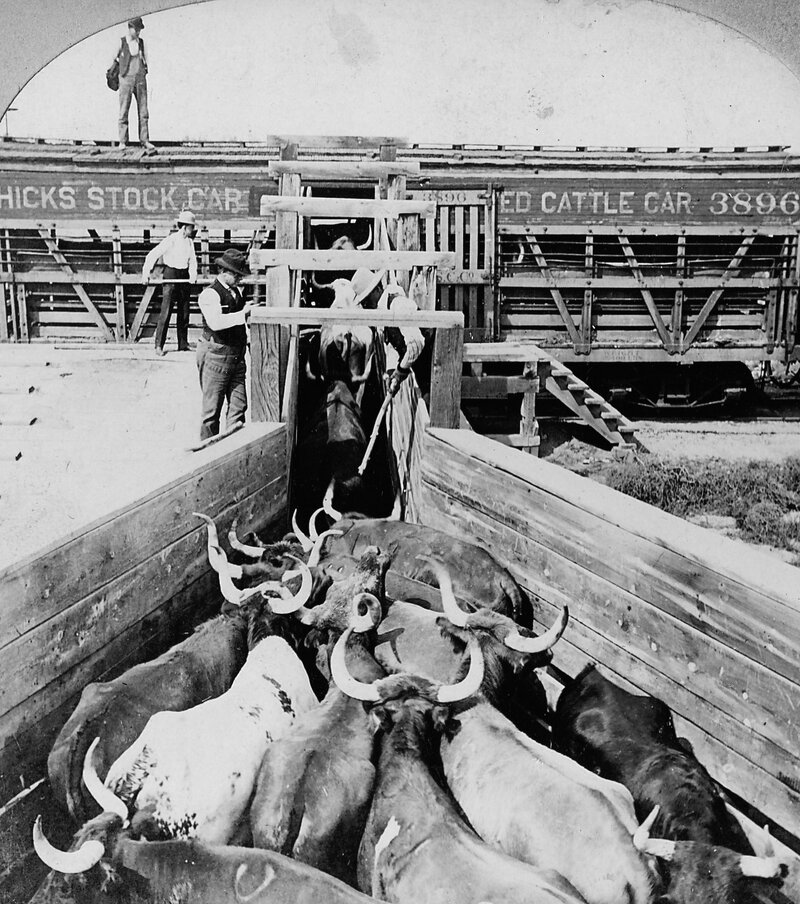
(707, 624)
(120, 590)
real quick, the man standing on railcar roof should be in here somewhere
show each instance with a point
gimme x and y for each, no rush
(180, 263)
(221, 350)
(132, 61)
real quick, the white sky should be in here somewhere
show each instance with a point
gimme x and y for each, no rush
(598, 72)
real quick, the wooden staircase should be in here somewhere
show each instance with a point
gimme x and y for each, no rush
(541, 370)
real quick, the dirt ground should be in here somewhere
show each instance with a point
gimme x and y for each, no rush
(113, 422)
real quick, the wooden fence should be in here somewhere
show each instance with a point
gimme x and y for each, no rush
(668, 608)
(118, 591)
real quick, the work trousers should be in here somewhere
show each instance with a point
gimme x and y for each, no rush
(222, 371)
(172, 294)
(129, 88)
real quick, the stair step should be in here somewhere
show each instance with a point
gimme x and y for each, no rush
(577, 386)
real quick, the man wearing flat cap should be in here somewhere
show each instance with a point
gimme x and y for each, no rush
(132, 61)
(176, 251)
(221, 349)
(408, 341)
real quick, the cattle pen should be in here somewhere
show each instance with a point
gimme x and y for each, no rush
(664, 607)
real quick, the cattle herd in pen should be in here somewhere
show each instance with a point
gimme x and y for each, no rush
(364, 721)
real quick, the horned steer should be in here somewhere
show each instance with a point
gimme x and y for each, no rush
(416, 846)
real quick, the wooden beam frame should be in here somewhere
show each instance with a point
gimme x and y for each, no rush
(90, 306)
(647, 295)
(365, 171)
(350, 260)
(345, 207)
(715, 296)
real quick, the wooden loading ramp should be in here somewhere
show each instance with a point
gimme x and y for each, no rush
(541, 370)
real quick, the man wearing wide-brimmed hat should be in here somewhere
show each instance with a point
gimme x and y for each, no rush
(176, 251)
(221, 349)
(408, 341)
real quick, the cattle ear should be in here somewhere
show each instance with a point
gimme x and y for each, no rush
(457, 636)
(443, 722)
(379, 716)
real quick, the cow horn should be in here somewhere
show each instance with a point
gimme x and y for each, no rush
(397, 508)
(255, 552)
(655, 847)
(327, 503)
(105, 797)
(305, 541)
(362, 622)
(515, 641)
(312, 524)
(316, 552)
(762, 867)
(368, 241)
(216, 557)
(354, 688)
(90, 853)
(292, 602)
(471, 682)
(227, 572)
(455, 614)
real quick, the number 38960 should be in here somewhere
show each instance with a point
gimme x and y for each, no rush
(742, 203)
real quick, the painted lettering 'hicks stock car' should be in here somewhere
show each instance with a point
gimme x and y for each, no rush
(671, 273)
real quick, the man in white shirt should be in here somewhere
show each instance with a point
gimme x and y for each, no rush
(177, 253)
(133, 83)
(221, 349)
(408, 341)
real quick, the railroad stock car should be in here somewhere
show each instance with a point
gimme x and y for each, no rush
(668, 273)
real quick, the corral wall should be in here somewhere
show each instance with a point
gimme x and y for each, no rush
(120, 590)
(707, 624)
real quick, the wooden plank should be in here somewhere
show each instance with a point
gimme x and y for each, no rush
(40, 585)
(346, 207)
(736, 594)
(492, 312)
(445, 294)
(23, 323)
(714, 297)
(651, 282)
(588, 298)
(59, 258)
(408, 240)
(317, 316)
(309, 259)
(344, 170)
(205, 253)
(264, 377)
(446, 377)
(42, 656)
(458, 239)
(680, 295)
(7, 290)
(492, 387)
(514, 352)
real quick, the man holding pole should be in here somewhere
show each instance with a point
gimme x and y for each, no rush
(177, 253)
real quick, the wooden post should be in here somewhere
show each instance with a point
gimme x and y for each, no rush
(120, 328)
(528, 425)
(448, 353)
(588, 298)
(680, 295)
(7, 290)
(22, 313)
(205, 253)
(474, 264)
(265, 402)
(791, 313)
(492, 303)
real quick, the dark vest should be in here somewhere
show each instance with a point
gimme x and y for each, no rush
(230, 303)
(124, 57)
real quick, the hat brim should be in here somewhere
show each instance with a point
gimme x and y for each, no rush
(231, 268)
(376, 278)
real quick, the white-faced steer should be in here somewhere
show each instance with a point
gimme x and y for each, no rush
(191, 774)
(416, 847)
